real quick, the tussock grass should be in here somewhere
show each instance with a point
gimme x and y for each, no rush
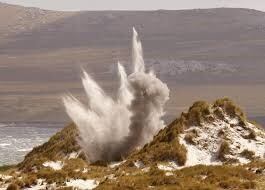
(12, 187)
(252, 135)
(223, 151)
(5, 168)
(59, 145)
(193, 178)
(52, 176)
(248, 154)
(164, 147)
(198, 113)
(229, 107)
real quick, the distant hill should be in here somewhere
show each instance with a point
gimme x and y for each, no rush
(42, 51)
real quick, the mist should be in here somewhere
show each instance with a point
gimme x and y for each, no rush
(110, 128)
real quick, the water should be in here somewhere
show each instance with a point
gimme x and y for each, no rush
(17, 139)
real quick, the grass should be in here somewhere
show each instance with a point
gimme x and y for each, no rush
(252, 135)
(248, 154)
(59, 145)
(229, 107)
(164, 147)
(12, 187)
(189, 137)
(223, 151)
(198, 112)
(6, 168)
(193, 178)
(52, 176)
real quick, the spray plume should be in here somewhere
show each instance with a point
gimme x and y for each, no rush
(111, 128)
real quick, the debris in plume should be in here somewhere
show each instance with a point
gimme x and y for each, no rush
(111, 128)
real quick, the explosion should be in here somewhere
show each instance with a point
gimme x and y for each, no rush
(110, 128)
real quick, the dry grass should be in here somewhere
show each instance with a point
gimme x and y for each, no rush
(59, 145)
(165, 146)
(192, 178)
(198, 113)
(190, 136)
(252, 135)
(248, 154)
(229, 107)
(52, 176)
(5, 168)
(223, 151)
(12, 187)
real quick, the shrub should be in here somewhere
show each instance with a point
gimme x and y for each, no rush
(52, 176)
(189, 138)
(166, 151)
(59, 145)
(249, 185)
(219, 113)
(198, 112)
(252, 135)
(6, 167)
(230, 184)
(19, 183)
(221, 133)
(12, 187)
(30, 180)
(248, 154)
(74, 164)
(155, 171)
(229, 107)
(223, 151)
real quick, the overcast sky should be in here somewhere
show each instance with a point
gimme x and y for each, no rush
(137, 4)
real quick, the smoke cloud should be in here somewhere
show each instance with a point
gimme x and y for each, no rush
(110, 128)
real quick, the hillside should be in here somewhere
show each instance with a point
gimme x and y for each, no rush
(212, 146)
(42, 51)
(60, 146)
(208, 134)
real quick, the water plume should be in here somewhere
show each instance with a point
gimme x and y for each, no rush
(110, 129)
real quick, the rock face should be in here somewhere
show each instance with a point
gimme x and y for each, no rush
(208, 134)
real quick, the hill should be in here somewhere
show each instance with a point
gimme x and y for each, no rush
(208, 134)
(212, 146)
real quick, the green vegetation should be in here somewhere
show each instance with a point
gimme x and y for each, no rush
(6, 167)
(231, 109)
(164, 147)
(252, 135)
(12, 187)
(59, 145)
(190, 136)
(248, 154)
(198, 113)
(193, 178)
(223, 151)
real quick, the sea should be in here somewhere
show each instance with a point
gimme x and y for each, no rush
(17, 139)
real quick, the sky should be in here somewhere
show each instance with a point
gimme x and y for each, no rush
(73, 5)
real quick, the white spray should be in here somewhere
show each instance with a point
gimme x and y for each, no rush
(110, 129)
